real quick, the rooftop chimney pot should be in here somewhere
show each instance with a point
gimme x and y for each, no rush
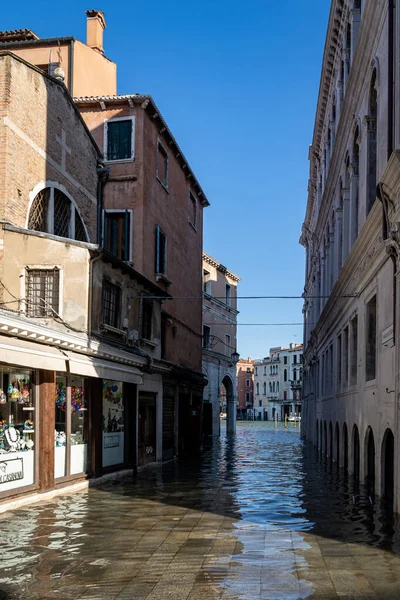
(95, 25)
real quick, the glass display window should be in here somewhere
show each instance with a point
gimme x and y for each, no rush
(113, 423)
(72, 426)
(17, 428)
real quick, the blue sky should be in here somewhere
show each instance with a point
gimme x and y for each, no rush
(237, 83)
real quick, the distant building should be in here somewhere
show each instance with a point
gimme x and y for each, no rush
(277, 383)
(219, 344)
(245, 387)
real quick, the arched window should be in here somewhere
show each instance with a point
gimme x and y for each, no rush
(277, 386)
(285, 375)
(265, 388)
(270, 387)
(273, 387)
(294, 375)
(53, 212)
(257, 389)
(372, 143)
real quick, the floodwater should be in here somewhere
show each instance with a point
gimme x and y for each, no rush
(259, 516)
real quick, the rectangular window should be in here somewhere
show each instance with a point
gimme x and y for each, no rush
(256, 371)
(285, 395)
(247, 382)
(111, 304)
(119, 136)
(265, 370)
(285, 360)
(247, 397)
(295, 359)
(248, 370)
(206, 282)
(117, 233)
(370, 362)
(354, 351)
(228, 294)
(161, 252)
(206, 336)
(42, 292)
(162, 164)
(228, 349)
(147, 319)
(260, 403)
(345, 354)
(192, 210)
(339, 362)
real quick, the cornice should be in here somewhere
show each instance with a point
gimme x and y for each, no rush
(22, 328)
(220, 267)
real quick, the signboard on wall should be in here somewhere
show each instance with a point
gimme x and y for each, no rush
(11, 470)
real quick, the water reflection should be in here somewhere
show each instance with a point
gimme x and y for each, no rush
(259, 515)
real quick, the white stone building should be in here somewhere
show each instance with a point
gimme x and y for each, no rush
(352, 241)
(277, 383)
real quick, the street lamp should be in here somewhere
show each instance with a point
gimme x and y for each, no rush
(235, 357)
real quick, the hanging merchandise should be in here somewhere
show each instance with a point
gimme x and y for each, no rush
(112, 392)
(61, 396)
(13, 392)
(77, 400)
(3, 397)
(24, 385)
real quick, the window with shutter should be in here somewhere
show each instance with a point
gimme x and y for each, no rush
(161, 252)
(117, 233)
(119, 139)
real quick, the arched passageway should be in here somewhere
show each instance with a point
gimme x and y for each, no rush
(337, 444)
(345, 448)
(330, 450)
(387, 462)
(369, 460)
(230, 404)
(356, 452)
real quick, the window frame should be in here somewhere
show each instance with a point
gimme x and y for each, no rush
(128, 211)
(158, 272)
(206, 327)
(166, 162)
(25, 284)
(105, 139)
(118, 304)
(150, 308)
(192, 204)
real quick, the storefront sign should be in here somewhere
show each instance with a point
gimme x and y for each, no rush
(11, 470)
(111, 441)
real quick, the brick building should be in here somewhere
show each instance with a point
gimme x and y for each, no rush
(102, 224)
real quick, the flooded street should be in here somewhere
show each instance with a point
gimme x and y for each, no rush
(258, 517)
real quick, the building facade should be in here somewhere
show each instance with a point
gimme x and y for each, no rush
(277, 383)
(219, 345)
(350, 233)
(245, 387)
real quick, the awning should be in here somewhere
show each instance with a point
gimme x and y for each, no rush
(23, 353)
(19, 352)
(89, 366)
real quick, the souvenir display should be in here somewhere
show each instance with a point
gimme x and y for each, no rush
(60, 438)
(13, 392)
(77, 399)
(61, 395)
(112, 392)
(3, 397)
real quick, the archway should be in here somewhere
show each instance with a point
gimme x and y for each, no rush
(356, 452)
(369, 460)
(230, 403)
(330, 450)
(387, 466)
(337, 444)
(345, 448)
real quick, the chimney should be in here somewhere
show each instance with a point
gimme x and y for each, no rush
(95, 24)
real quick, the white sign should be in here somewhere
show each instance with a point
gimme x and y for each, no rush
(11, 470)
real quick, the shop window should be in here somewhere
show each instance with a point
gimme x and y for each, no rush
(42, 292)
(71, 427)
(111, 304)
(162, 164)
(17, 428)
(113, 423)
(117, 233)
(161, 252)
(192, 210)
(119, 139)
(147, 319)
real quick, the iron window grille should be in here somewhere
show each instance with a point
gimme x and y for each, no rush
(53, 212)
(111, 304)
(42, 292)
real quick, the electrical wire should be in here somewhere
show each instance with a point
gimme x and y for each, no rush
(246, 297)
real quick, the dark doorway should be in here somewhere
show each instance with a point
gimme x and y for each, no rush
(356, 453)
(370, 461)
(345, 448)
(337, 444)
(147, 428)
(388, 466)
(330, 453)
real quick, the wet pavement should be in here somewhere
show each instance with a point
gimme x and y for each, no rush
(258, 517)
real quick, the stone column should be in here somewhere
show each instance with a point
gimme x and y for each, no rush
(353, 205)
(346, 224)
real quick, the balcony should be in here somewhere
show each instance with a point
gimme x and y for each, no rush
(296, 385)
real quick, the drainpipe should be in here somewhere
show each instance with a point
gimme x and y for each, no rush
(391, 10)
(71, 68)
(103, 174)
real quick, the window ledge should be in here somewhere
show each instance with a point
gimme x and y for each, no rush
(163, 278)
(119, 161)
(149, 343)
(112, 329)
(165, 187)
